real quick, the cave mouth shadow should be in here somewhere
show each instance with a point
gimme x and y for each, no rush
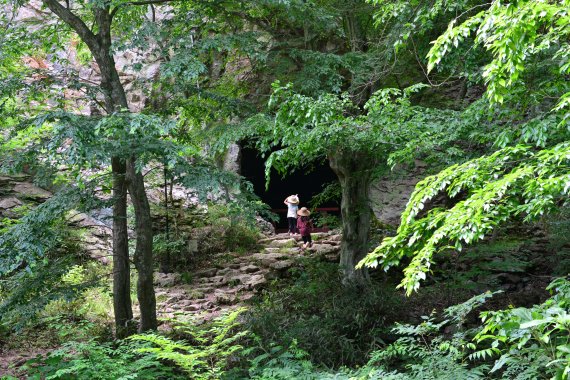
(307, 183)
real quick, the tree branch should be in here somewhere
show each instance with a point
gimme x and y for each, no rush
(142, 2)
(74, 22)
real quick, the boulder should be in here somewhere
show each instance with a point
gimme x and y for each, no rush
(5, 180)
(337, 238)
(324, 249)
(283, 243)
(217, 280)
(191, 307)
(224, 298)
(282, 265)
(249, 269)
(9, 202)
(210, 272)
(270, 256)
(30, 191)
(256, 282)
(167, 279)
(264, 226)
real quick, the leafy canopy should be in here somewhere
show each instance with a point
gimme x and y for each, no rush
(515, 181)
(514, 33)
(386, 128)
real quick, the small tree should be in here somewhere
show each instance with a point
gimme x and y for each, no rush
(356, 142)
(98, 38)
(529, 179)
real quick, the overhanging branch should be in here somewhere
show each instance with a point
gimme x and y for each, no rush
(74, 22)
(142, 2)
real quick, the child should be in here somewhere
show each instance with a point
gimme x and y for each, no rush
(305, 226)
(292, 203)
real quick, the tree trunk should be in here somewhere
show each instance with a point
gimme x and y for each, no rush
(143, 250)
(122, 304)
(354, 174)
(115, 100)
(165, 259)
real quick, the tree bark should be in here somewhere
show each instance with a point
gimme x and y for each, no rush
(354, 174)
(122, 303)
(143, 250)
(115, 100)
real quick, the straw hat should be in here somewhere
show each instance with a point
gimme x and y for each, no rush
(293, 199)
(303, 212)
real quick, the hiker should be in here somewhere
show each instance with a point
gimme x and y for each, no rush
(292, 202)
(305, 226)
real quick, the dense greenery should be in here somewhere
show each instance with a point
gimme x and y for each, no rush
(128, 109)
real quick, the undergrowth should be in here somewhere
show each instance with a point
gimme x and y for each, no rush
(513, 344)
(335, 325)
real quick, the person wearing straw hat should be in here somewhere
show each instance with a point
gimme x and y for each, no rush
(292, 202)
(305, 226)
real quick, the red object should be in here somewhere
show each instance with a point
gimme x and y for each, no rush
(315, 229)
(321, 209)
(304, 225)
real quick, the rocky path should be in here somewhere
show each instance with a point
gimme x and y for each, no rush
(233, 278)
(230, 280)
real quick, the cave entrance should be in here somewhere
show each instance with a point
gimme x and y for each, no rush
(306, 183)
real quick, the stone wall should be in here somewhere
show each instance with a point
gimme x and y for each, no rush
(389, 196)
(17, 192)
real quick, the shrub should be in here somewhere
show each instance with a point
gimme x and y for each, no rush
(95, 361)
(206, 352)
(336, 325)
(239, 231)
(532, 342)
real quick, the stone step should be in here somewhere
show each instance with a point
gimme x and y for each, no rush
(249, 269)
(235, 278)
(285, 243)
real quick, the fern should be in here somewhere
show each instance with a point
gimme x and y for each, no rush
(95, 361)
(208, 357)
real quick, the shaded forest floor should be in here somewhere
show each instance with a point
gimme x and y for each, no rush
(295, 295)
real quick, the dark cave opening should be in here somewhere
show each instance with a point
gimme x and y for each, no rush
(304, 181)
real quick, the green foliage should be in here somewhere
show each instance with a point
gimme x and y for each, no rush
(206, 353)
(25, 294)
(514, 33)
(100, 361)
(321, 219)
(331, 193)
(412, 20)
(336, 325)
(32, 238)
(89, 313)
(514, 181)
(160, 244)
(68, 301)
(532, 343)
(535, 339)
(421, 352)
(281, 363)
(235, 224)
(309, 129)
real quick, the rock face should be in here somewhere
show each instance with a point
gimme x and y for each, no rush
(67, 60)
(232, 159)
(234, 278)
(18, 191)
(390, 196)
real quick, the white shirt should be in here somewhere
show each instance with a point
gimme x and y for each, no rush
(292, 210)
